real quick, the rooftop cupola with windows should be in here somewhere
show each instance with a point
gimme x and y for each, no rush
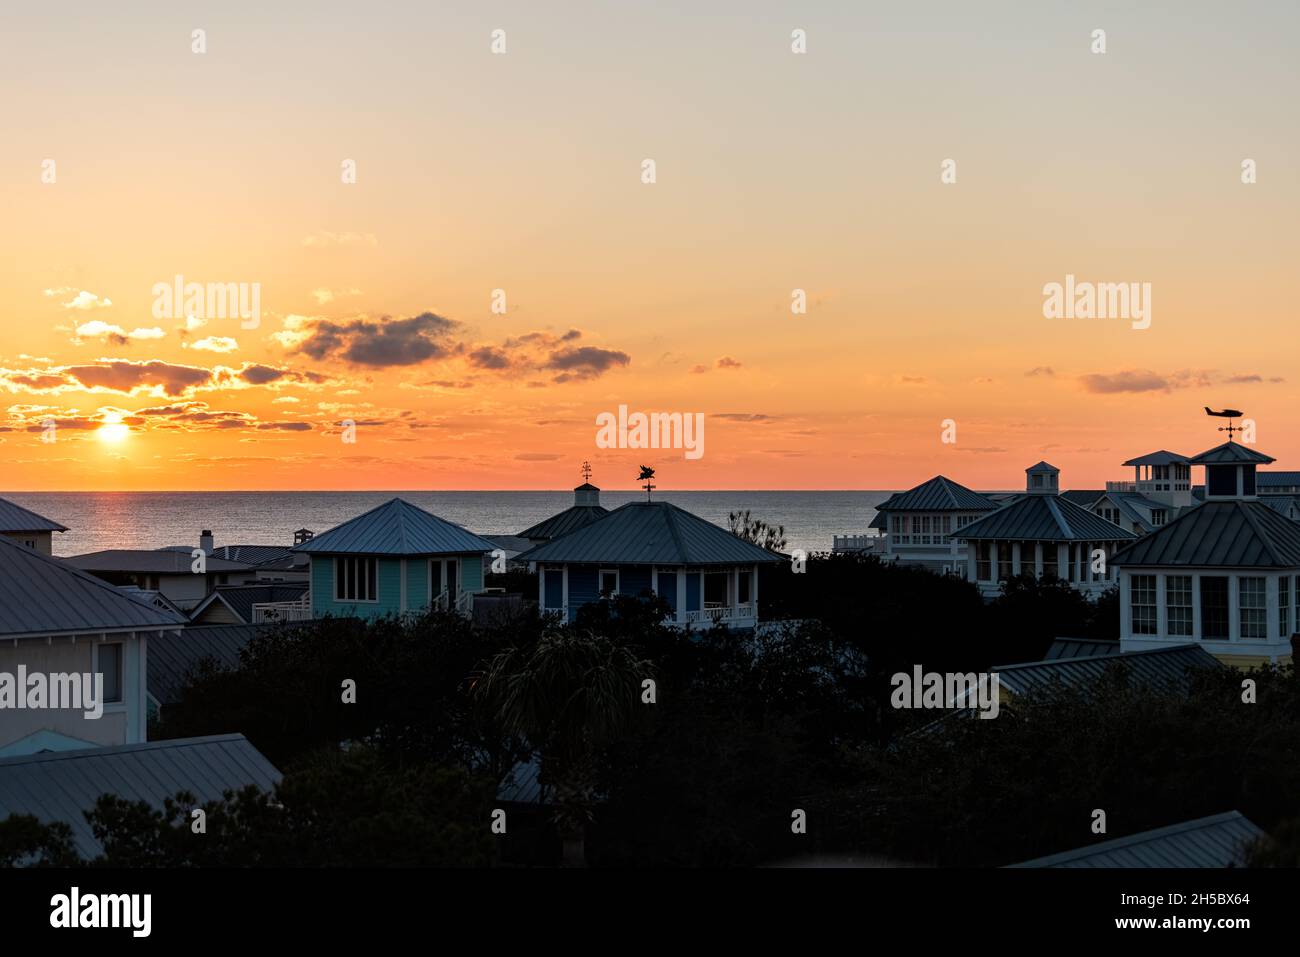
(1042, 479)
(586, 494)
(1230, 471)
(1162, 477)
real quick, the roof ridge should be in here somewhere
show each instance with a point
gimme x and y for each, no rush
(1061, 522)
(111, 749)
(1259, 530)
(58, 526)
(672, 530)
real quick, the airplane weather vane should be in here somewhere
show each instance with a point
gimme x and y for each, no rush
(1228, 414)
(646, 475)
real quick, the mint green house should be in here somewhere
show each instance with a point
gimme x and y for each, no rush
(393, 559)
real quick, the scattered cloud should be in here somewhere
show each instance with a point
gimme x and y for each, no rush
(81, 299)
(585, 362)
(324, 296)
(96, 330)
(1041, 370)
(214, 344)
(376, 343)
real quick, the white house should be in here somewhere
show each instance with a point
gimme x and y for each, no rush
(920, 526)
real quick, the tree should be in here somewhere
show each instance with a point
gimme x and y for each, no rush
(567, 696)
(756, 531)
(26, 842)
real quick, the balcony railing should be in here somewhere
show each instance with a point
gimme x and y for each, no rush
(723, 613)
(266, 611)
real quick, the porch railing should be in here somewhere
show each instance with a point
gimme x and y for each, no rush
(264, 611)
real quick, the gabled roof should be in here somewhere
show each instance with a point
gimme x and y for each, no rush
(396, 528)
(650, 533)
(62, 785)
(1043, 518)
(940, 494)
(1231, 534)
(1230, 453)
(150, 561)
(173, 655)
(15, 518)
(241, 598)
(1042, 467)
(571, 519)
(1216, 841)
(40, 595)
(1158, 668)
(1083, 497)
(1163, 457)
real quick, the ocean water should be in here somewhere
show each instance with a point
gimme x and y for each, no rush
(99, 520)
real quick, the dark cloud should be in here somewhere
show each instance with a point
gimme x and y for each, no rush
(124, 375)
(489, 357)
(537, 457)
(585, 362)
(1144, 380)
(380, 343)
(726, 362)
(1041, 370)
(284, 426)
(743, 416)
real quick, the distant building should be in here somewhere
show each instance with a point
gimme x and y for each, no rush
(1220, 840)
(922, 525)
(1043, 534)
(1225, 574)
(1161, 490)
(166, 571)
(704, 573)
(27, 528)
(252, 604)
(392, 559)
(586, 508)
(56, 620)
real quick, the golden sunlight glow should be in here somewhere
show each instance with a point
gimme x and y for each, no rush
(113, 430)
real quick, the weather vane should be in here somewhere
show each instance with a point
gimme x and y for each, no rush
(1228, 414)
(586, 471)
(647, 473)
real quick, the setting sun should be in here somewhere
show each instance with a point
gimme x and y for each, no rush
(113, 430)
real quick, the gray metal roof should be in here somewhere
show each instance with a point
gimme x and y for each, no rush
(151, 561)
(1282, 504)
(1233, 533)
(1083, 497)
(1160, 668)
(173, 655)
(257, 555)
(571, 519)
(650, 533)
(1042, 467)
(1216, 841)
(15, 518)
(241, 598)
(1230, 453)
(1043, 518)
(63, 785)
(1265, 480)
(1079, 648)
(396, 528)
(1163, 457)
(939, 494)
(40, 595)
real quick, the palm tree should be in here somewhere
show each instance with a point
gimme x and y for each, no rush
(567, 696)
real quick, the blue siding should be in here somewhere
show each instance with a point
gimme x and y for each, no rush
(554, 588)
(633, 580)
(471, 573)
(417, 583)
(668, 588)
(322, 590)
(692, 591)
(584, 585)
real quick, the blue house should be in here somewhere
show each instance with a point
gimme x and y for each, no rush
(704, 572)
(392, 559)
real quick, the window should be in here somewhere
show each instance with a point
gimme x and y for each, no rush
(608, 582)
(1004, 561)
(742, 588)
(715, 590)
(356, 579)
(1178, 604)
(30, 543)
(1158, 516)
(110, 666)
(1214, 607)
(1254, 610)
(1142, 604)
(983, 561)
(1284, 606)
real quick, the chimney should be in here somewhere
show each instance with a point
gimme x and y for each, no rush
(586, 494)
(205, 541)
(303, 535)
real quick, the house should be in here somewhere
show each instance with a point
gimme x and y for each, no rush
(1161, 489)
(392, 559)
(27, 528)
(586, 508)
(253, 604)
(58, 621)
(269, 563)
(920, 525)
(704, 572)
(1043, 534)
(1220, 840)
(63, 786)
(1224, 574)
(167, 571)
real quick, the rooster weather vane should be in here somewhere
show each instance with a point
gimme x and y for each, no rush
(1228, 414)
(647, 473)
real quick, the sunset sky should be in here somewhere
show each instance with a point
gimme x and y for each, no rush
(523, 172)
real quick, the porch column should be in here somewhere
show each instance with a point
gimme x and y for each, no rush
(1015, 558)
(681, 595)
(1196, 606)
(1162, 624)
(1234, 608)
(1273, 606)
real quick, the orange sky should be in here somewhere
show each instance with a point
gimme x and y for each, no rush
(522, 172)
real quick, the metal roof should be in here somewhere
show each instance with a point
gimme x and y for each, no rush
(1219, 840)
(1282, 504)
(1163, 457)
(1079, 648)
(151, 561)
(879, 520)
(1042, 518)
(1042, 467)
(40, 595)
(15, 518)
(63, 785)
(241, 598)
(396, 528)
(173, 655)
(1231, 453)
(650, 533)
(571, 519)
(1083, 497)
(1158, 668)
(1233, 533)
(1265, 480)
(940, 494)
(258, 555)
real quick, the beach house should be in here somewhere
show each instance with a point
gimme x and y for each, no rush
(704, 572)
(27, 528)
(58, 628)
(1044, 534)
(392, 559)
(1225, 574)
(919, 526)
